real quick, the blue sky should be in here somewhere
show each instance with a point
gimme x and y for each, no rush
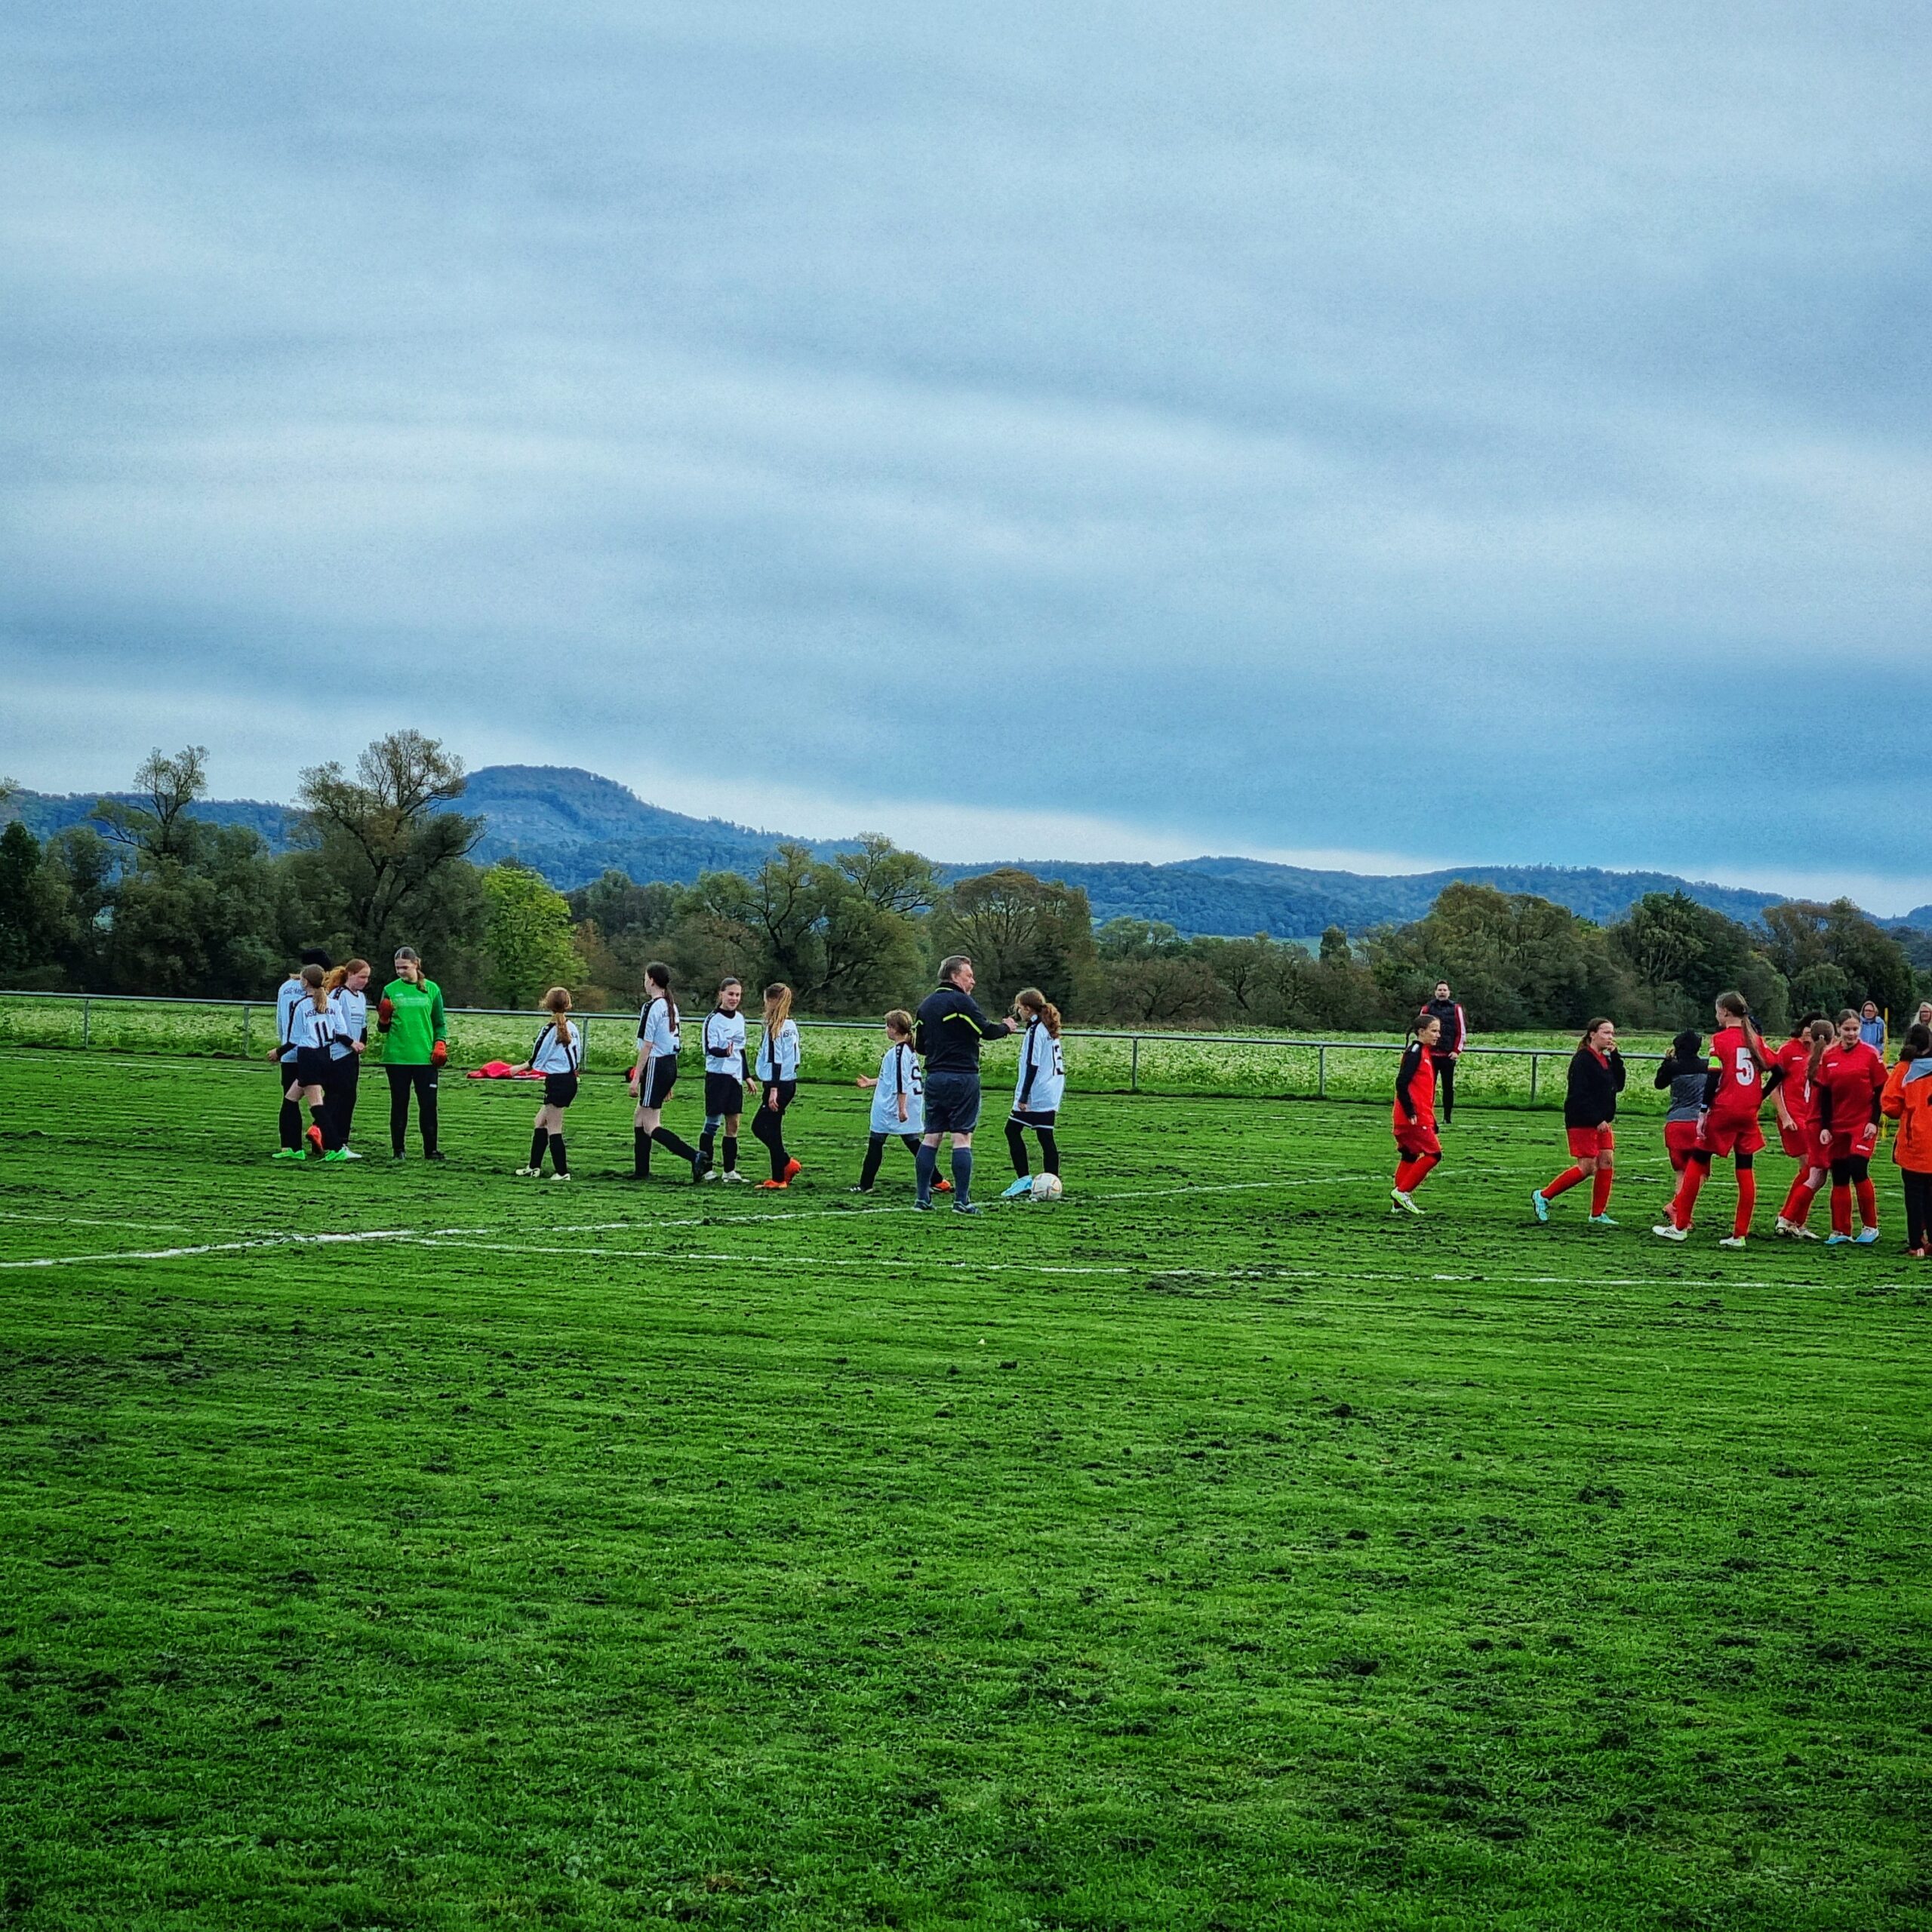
(1401, 434)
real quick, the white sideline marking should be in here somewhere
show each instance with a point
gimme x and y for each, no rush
(212, 1247)
(86, 1221)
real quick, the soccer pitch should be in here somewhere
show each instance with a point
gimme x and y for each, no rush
(413, 1547)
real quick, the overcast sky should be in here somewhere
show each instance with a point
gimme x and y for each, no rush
(1402, 433)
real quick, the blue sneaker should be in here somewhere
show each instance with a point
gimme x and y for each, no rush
(1601, 1221)
(967, 1207)
(1539, 1207)
(1024, 1185)
(1866, 1236)
(1834, 1239)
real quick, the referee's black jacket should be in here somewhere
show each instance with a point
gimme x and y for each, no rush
(949, 1029)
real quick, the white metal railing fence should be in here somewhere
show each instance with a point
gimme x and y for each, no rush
(256, 1023)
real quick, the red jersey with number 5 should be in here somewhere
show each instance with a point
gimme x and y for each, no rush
(1740, 1080)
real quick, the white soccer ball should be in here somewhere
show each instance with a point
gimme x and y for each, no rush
(1046, 1187)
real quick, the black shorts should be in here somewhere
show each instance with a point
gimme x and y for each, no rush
(559, 1089)
(660, 1077)
(312, 1066)
(724, 1093)
(1034, 1121)
(952, 1103)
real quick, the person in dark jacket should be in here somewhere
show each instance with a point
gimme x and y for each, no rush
(947, 1032)
(1590, 1107)
(1448, 1047)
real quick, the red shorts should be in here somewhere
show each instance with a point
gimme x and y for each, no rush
(1679, 1137)
(1586, 1142)
(1802, 1144)
(1417, 1140)
(1736, 1135)
(1844, 1146)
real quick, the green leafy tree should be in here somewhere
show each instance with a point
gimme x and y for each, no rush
(160, 824)
(384, 839)
(33, 913)
(1871, 963)
(529, 944)
(1163, 990)
(1018, 930)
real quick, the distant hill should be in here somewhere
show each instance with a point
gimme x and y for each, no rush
(571, 825)
(45, 813)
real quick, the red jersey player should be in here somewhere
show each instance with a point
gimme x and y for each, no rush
(1851, 1077)
(1797, 1102)
(1413, 1115)
(1738, 1075)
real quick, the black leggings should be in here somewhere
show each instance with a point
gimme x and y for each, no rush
(1445, 1085)
(769, 1123)
(1918, 1207)
(345, 1082)
(404, 1080)
(1016, 1146)
(1849, 1172)
(875, 1153)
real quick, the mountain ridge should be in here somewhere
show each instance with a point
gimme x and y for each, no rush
(572, 825)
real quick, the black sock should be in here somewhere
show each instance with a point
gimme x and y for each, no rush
(291, 1124)
(707, 1141)
(640, 1153)
(1049, 1151)
(1016, 1146)
(875, 1153)
(559, 1160)
(730, 1153)
(675, 1144)
(962, 1176)
(925, 1168)
(539, 1140)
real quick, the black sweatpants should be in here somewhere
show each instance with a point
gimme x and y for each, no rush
(769, 1123)
(875, 1153)
(1918, 1207)
(345, 1083)
(421, 1081)
(1445, 1086)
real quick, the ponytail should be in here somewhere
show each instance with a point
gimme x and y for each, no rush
(315, 983)
(1033, 1002)
(777, 1007)
(1739, 1008)
(659, 975)
(557, 1004)
(1821, 1037)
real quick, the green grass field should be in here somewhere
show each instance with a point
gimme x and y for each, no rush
(411, 1547)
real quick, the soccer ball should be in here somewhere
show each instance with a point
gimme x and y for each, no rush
(1046, 1187)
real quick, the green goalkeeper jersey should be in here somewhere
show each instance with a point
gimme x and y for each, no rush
(416, 1024)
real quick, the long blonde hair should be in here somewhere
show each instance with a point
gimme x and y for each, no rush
(316, 984)
(557, 1004)
(1033, 1002)
(777, 1006)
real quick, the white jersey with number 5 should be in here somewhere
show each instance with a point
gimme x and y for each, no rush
(1042, 1078)
(899, 1073)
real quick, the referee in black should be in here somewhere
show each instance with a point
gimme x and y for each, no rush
(948, 1030)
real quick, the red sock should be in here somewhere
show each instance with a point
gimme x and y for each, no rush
(1404, 1174)
(1563, 1182)
(1797, 1203)
(1868, 1204)
(1747, 1202)
(1605, 1179)
(1425, 1165)
(1841, 1207)
(1687, 1193)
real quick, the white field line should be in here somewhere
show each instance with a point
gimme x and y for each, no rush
(212, 1247)
(85, 1221)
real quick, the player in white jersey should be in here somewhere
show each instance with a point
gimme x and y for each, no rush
(558, 1056)
(349, 1040)
(727, 1074)
(308, 1072)
(778, 1070)
(1038, 1089)
(655, 1074)
(287, 995)
(899, 1098)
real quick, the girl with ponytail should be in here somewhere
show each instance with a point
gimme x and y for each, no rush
(1737, 1077)
(654, 1075)
(1038, 1089)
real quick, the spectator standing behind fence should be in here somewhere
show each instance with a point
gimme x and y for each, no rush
(1448, 1047)
(1872, 1027)
(416, 1048)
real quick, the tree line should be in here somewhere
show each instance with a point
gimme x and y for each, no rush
(146, 898)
